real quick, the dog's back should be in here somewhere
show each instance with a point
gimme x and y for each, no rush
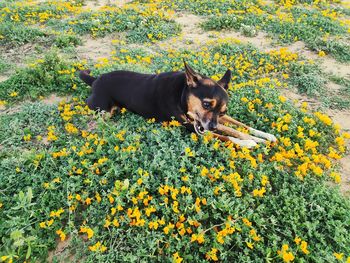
(145, 94)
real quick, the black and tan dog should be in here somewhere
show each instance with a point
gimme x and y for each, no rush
(196, 101)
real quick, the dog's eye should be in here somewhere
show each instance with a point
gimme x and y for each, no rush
(206, 105)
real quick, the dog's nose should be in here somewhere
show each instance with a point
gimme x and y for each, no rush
(212, 126)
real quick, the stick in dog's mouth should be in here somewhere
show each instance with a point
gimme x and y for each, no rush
(196, 124)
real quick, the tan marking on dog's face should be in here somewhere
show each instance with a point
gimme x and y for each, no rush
(223, 109)
(208, 82)
(194, 104)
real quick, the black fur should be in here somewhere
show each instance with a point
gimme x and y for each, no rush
(161, 96)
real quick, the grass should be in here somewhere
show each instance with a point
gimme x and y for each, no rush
(129, 189)
(65, 22)
(287, 24)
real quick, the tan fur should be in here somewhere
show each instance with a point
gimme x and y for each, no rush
(232, 132)
(223, 109)
(208, 82)
(221, 137)
(194, 104)
(227, 119)
(113, 110)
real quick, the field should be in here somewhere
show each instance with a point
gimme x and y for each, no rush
(76, 186)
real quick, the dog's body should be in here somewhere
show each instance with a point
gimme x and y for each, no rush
(159, 96)
(196, 101)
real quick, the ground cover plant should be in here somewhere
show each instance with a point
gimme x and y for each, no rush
(56, 19)
(315, 23)
(76, 185)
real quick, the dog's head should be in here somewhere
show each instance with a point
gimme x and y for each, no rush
(206, 99)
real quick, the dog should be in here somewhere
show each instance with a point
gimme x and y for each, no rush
(198, 102)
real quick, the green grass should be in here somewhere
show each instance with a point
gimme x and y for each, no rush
(43, 77)
(20, 35)
(291, 207)
(340, 50)
(126, 189)
(139, 27)
(286, 25)
(92, 154)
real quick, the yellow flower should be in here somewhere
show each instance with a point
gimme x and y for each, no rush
(107, 223)
(288, 257)
(199, 238)
(168, 228)
(61, 234)
(177, 258)
(27, 137)
(303, 247)
(98, 247)
(259, 192)
(250, 245)
(297, 240)
(204, 171)
(70, 128)
(115, 223)
(247, 222)
(194, 137)
(282, 99)
(50, 222)
(211, 255)
(88, 231)
(338, 256)
(321, 53)
(188, 152)
(14, 94)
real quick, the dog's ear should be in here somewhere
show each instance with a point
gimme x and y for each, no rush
(192, 77)
(225, 80)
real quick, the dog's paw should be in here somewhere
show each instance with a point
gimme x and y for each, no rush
(271, 137)
(248, 143)
(258, 140)
(264, 135)
(243, 143)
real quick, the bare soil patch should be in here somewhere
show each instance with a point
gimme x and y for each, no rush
(17, 55)
(345, 175)
(54, 99)
(92, 48)
(96, 4)
(327, 63)
(194, 35)
(62, 253)
(3, 78)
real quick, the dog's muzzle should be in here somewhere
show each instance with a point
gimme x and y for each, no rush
(197, 125)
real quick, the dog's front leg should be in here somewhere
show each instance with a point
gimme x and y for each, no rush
(227, 119)
(237, 137)
(241, 143)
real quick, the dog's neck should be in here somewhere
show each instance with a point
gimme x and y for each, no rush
(183, 101)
